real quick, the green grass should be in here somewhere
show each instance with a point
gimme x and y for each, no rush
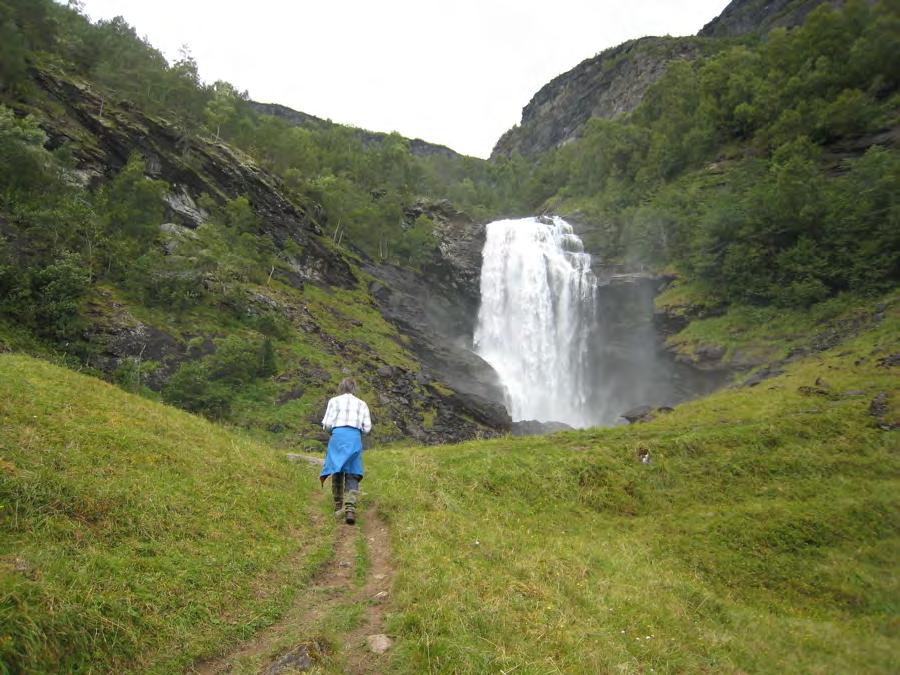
(762, 538)
(753, 335)
(134, 536)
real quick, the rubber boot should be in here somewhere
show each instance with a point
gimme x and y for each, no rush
(337, 491)
(350, 500)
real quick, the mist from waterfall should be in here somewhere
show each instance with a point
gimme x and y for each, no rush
(538, 300)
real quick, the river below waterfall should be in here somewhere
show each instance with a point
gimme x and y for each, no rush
(567, 347)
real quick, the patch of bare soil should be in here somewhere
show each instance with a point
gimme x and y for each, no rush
(334, 586)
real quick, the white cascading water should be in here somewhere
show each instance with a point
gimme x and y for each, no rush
(537, 309)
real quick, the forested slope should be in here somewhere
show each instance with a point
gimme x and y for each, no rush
(764, 173)
(161, 232)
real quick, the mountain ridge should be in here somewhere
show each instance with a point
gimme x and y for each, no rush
(614, 81)
(417, 146)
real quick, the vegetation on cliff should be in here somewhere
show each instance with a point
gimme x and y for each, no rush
(749, 170)
(218, 269)
(138, 240)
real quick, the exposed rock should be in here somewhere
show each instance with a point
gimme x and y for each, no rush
(889, 361)
(440, 325)
(118, 337)
(878, 406)
(762, 375)
(642, 413)
(379, 644)
(609, 84)
(645, 413)
(174, 236)
(747, 16)
(298, 659)
(191, 165)
(456, 263)
(673, 318)
(709, 353)
(184, 209)
(536, 428)
(807, 390)
(290, 395)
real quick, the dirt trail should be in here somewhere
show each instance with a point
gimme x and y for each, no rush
(329, 620)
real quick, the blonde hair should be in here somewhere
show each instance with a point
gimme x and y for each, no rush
(347, 386)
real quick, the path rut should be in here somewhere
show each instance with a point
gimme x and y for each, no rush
(328, 622)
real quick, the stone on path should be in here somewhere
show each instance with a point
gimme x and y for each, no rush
(297, 659)
(379, 644)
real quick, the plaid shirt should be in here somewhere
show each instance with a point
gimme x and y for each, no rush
(347, 411)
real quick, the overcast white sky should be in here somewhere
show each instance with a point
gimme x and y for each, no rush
(456, 73)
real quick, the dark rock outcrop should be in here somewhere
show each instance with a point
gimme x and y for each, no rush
(535, 428)
(644, 413)
(609, 84)
(103, 136)
(748, 16)
(439, 326)
(118, 339)
(455, 265)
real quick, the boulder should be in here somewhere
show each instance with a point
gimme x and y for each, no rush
(296, 660)
(641, 413)
(536, 428)
(379, 644)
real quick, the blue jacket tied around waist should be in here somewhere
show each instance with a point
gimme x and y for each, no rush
(344, 452)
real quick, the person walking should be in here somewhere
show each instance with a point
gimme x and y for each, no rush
(347, 418)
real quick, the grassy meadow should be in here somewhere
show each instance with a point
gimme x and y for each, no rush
(133, 536)
(762, 538)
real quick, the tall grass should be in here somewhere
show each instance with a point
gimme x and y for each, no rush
(134, 536)
(762, 538)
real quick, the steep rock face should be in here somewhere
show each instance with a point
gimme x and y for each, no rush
(437, 308)
(412, 396)
(747, 16)
(614, 81)
(455, 264)
(609, 84)
(439, 330)
(417, 146)
(103, 137)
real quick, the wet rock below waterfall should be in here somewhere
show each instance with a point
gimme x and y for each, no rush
(535, 428)
(645, 413)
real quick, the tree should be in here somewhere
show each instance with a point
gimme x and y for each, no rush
(221, 108)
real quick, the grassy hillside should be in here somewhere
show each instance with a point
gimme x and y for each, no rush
(133, 535)
(762, 538)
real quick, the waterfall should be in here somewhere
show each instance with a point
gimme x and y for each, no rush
(537, 310)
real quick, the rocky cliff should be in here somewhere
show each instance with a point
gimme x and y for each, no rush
(609, 84)
(417, 146)
(437, 308)
(333, 320)
(746, 16)
(614, 81)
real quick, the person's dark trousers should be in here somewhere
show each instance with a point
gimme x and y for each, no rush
(345, 490)
(337, 490)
